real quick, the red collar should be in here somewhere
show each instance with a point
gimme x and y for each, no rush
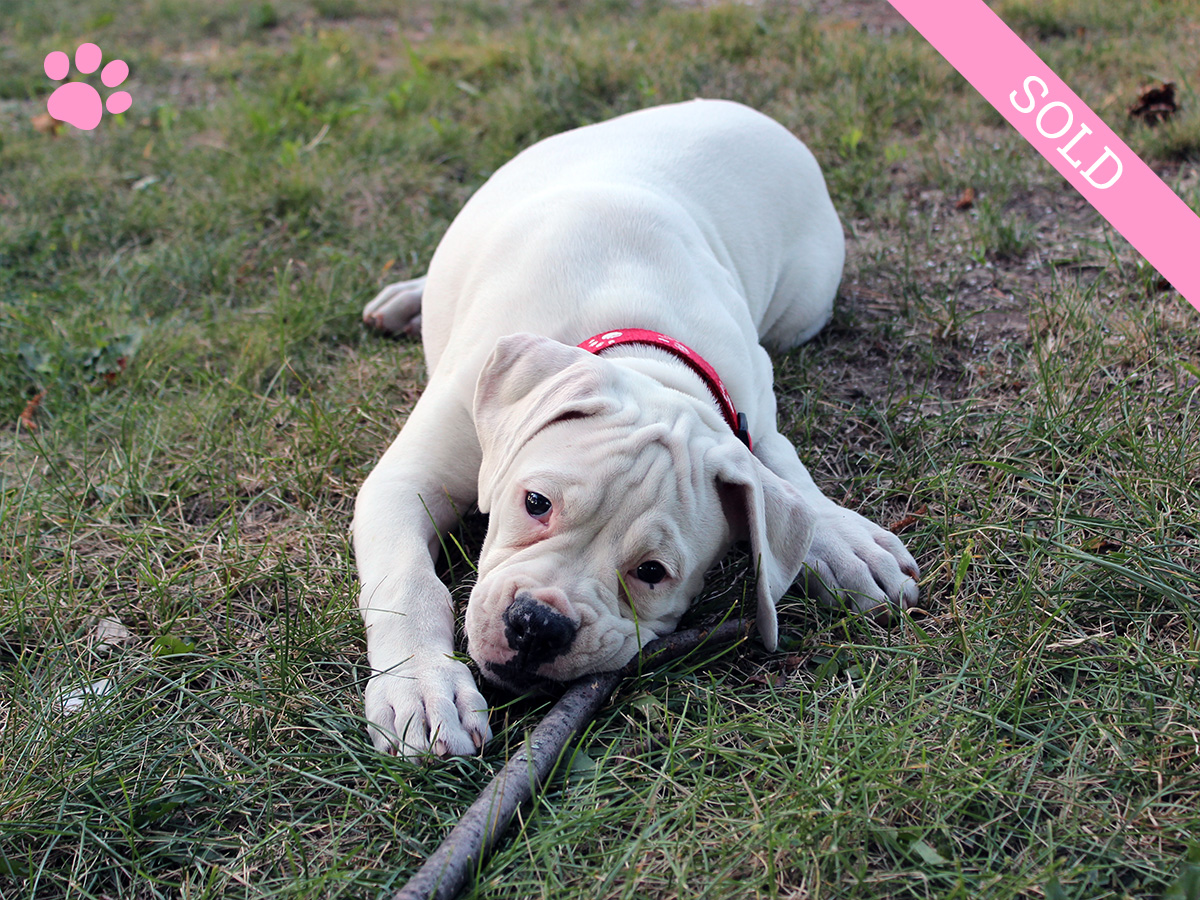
(696, 362)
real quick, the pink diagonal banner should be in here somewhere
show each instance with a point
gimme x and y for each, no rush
(1061, 127)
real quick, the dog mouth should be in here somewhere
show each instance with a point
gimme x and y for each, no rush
(518, 680)
(537, 638)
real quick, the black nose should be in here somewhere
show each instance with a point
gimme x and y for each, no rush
(536, 632)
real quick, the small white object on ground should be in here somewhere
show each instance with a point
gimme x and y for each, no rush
(72, 700)
(109, 631)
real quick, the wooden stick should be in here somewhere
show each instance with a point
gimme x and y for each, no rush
(450, 867)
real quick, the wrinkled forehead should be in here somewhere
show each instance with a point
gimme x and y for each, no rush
(601, 470)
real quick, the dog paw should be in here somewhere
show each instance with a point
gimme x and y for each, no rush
(855, 563)
(426, 706)
(397, 308)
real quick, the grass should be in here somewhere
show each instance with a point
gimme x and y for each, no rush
(179, 296)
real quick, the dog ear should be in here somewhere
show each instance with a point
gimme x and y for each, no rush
(528, 382)
(776, 519)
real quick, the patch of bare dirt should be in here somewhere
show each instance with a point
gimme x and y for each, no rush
(874, 16)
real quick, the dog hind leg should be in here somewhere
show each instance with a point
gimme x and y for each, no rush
(397, 308)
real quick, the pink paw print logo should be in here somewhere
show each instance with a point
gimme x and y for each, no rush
(78, 103)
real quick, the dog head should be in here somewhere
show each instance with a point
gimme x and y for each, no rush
(609, 497)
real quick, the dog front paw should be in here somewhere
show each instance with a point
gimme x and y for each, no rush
(426, 705)
(855, 563)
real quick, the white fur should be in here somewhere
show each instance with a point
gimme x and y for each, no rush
(706, 221)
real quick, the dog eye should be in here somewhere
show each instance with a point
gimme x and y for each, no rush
(651, 572)
(537, 505)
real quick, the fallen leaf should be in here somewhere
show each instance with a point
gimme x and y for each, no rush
(1079, 641)
(31, 409)
(768, 679)
(1152, 276)
(966, 200)
(121, 364)
(1101, 545)
(907, 522)
(46, 124)
(13, 868)
(109, 632)
(73, 700)
(1156, 104)
(169, 645)
(928, 854)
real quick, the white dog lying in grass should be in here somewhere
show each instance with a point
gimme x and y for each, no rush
(674, 244)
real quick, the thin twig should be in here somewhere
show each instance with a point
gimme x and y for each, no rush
(448, 869)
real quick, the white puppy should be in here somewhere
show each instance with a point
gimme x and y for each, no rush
(613, 480)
